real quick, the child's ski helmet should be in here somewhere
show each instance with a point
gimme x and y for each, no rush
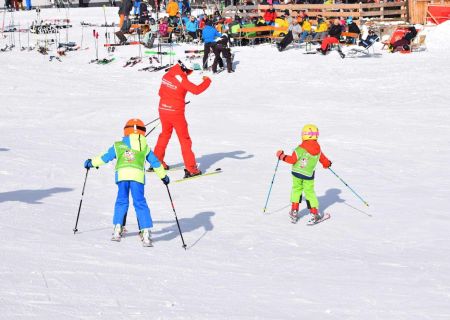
(310, 132)
(134, 126)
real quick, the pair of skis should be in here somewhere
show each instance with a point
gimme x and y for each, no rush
(132, 62)
(206, 174)
(103, 61)
(312, 221)
(155, 68)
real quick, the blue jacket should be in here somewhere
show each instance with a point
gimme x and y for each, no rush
(192, 26)
(209, 34)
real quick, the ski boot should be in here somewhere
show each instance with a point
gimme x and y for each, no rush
(316, 215)
(117, 233)
(188, 174)
(293, 214)
(146, 237)
(122, 39)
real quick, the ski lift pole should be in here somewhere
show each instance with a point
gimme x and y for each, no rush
(354, 192)
(271, 184)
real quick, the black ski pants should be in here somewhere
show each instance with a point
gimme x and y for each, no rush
(286, 40)
(226, 53)
(211, 46)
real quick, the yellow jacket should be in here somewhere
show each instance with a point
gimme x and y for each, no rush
(281, 23)
(172, 9)
(322, 27)
(306, 26)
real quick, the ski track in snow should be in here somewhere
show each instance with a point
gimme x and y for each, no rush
(384, 123)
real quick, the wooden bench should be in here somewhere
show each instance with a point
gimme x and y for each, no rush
(254, 33)
(350, 35)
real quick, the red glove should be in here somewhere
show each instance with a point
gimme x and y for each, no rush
(327, 165)
(206, 78)
(280, 154)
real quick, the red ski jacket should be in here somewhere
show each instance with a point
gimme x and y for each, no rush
(174, 87)
(313, 148)
(270, 15)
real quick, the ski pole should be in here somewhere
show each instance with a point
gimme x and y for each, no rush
(152, 129)
(271, 184)
(96, 44)
(178, 224)
(151, 122)
(81, 201)
(354, 192)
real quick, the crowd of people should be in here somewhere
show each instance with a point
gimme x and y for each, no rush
(17, 5)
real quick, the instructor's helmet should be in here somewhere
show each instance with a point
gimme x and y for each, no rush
(310, 132)
(184, 68)
(134, 126)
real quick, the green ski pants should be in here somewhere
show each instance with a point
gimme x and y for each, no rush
(300, 186)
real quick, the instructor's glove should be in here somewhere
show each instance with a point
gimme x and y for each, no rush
(88, 164)
(327, 165)
(206, 78)
(280, 154)
(166, 180)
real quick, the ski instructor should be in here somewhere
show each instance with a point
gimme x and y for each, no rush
(174, 87)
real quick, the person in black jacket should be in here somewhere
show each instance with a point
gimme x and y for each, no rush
(222, 48)
(334, 34)
(404, 43)
(124, 13)
(352, 27)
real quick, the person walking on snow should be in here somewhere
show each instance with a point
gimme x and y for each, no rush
(131, 153)
(304, 160)
(174, 87)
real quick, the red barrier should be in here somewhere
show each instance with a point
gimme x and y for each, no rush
(438, 14)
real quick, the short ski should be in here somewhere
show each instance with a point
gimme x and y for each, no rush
(171, 168)
(132, 62)
(102, 61)
(194, 51)
(131, 43)
(160, 68)
(216, 171)
(311, 222)
(160, 52)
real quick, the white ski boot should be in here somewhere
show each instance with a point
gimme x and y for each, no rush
(146, 237)
(293, 214)
(117, 233)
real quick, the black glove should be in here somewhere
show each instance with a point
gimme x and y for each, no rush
(166, 180)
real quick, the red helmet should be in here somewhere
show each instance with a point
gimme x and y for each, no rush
(134, 126)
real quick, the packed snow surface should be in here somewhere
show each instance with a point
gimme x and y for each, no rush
(384, 123)
(438, 40)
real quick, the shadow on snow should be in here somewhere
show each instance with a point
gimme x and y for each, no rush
(200, 220)
(208, 160)
(30, 196)
(330, 197)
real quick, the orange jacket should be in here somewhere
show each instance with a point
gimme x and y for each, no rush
(172, 9)
(313, 148)
(174, 87)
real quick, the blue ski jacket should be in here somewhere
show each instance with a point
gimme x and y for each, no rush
(209, 34)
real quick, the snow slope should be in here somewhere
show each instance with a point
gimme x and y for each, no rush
(384, 122)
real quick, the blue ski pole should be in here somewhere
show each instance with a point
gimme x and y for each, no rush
(349, 187)
(271, 184)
